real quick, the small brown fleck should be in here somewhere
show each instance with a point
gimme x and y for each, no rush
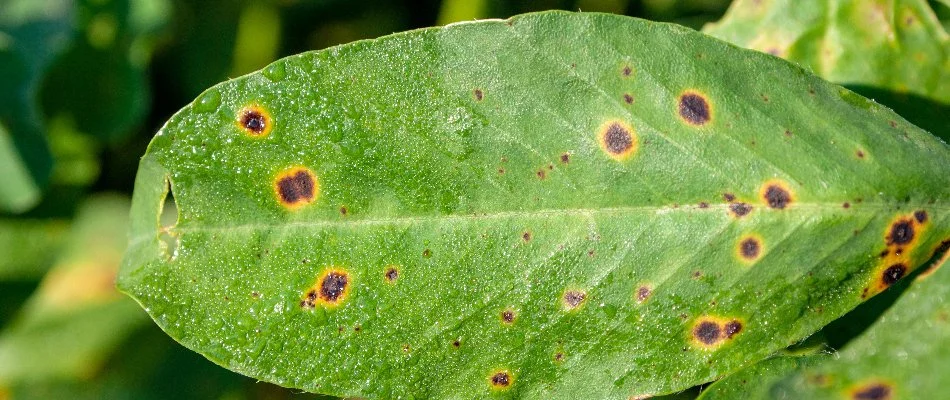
(573, 299)
(427, 253)
(884, 253)
(565, 158)
(457, 343)
(728, 197)
(628, 98)
(558, 357)
(893, 274)
(920, 216)
(541, 174)
(846, 205)
(703, 204)
(626, 71)
(501, 171)
(859, 153)
(526, 236)
(343, 211)
(479, 95)
(893, 123)
(694, 108)
(788, 133)
(697, 274)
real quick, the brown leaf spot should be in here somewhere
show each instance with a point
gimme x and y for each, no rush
(626, 71)
(541, 174)
(728, 197)
(628, 98)
(526, 236)
(331, 289)
(740, 209)
(902, 232)
(846, 205)
(296, 187)
(573, 299)
(254, 121)
(392, 273)
(707, 332)
(893, 274)
(344, 211)
(479, 95)
(872, 391)
(643, 293)
(508, 316)
(920, 216)
(703, 204)
(750, 248)
(501, 380)
(565, 158)
(427, 253)
(617, 139)
(732, 328)
(859, 153)
(457, 343)
(694, 108)
(776, 194)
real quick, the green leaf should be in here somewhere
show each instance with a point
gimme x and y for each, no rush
(29, 247)
(895, 52)
(549, 205)
(70, 325)
(903, 355)
(32, 35)
(757, 380)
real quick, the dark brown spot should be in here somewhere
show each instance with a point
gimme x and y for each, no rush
(750, 248)
(392, 274)
(628, 98)
(427, 253)
(740, 209)
(942, 248)
(893, 274)
(479, 95)
(707, 332)
(732, 328)
(859, 153)
(565, 158)
(508, 316)
(617, 139)
(694, 108)
(501, 171)
(255, 295)
(296, 187)
(343, 211)
(357, 328)
(574, 298)
(920, 216)
(777, 197)
(846, 205)
(526, 236)
(703, 204)
(728, 197)
(697, 274)
(333, 286)
(902, 232)
(501, 379)
(643, 292)
(626, 71)
(788, 133)
(884, 253)
(254, 121)
(457, 343)
(558, 356)
(874, 391)
(541, 174)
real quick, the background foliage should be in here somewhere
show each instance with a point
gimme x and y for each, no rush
(88, 84)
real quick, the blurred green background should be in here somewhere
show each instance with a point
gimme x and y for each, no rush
(86, 85)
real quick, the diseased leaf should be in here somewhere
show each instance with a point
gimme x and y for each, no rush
(554, 206)
(894, 51)
(757, 380)
(902, 356)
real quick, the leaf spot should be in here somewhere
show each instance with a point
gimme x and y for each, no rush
(330, 290)
(707, 332)
(254, 121)
(626, 71)
(296, 187)
(872, 391)
(920, 216)
(526, 236)
(573, 299)
(392, 273)
(750, 248)
(694, 108)
(643, 293)
(740, 209)
(893, 274)
(776, 194)
(902, 232)
(628, 98)
(617, 139)
(508, 316)
(501, 380)
(479, 95)
(565, 158)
